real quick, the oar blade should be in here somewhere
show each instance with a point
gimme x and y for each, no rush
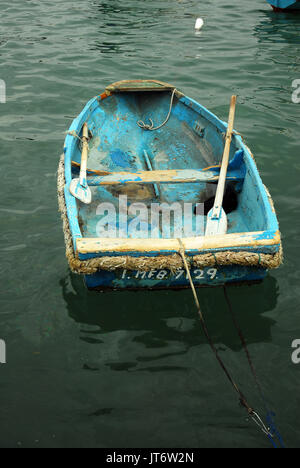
(216, 226)
(83, 194)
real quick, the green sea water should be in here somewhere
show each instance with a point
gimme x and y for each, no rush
(134, 369)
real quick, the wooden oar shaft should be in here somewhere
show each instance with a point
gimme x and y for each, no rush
(84, 155)
(225, 161)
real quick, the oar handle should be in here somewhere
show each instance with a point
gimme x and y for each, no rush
(84, 155)
(225, 161)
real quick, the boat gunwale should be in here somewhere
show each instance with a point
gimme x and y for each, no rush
(260, 241)
(267, 240)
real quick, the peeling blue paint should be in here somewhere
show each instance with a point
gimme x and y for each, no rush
(120, 158)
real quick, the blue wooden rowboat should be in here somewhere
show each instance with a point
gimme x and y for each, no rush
(116, 242)
(285, 5)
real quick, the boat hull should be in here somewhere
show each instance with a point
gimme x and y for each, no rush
(163, 279)
(285, 5)
(185, 154)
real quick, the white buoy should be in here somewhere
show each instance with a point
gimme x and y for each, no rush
(199, 24)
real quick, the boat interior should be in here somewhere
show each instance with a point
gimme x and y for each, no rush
(192, 139)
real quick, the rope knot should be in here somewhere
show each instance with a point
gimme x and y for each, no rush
(145, 126)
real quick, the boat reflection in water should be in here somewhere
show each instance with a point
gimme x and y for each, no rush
(143, 326)
(277, 29)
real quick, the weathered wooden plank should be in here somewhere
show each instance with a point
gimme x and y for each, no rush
(163, 177)
(139, 85)
(194, 244)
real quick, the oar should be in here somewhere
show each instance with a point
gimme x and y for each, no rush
(79, 187)
(216, 218)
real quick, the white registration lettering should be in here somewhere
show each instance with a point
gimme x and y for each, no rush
(179, 274)
(162, 275)
(212, 273)
(199, 274)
